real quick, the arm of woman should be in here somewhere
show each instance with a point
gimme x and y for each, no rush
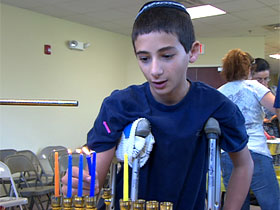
(268, 102)
(240, 180)
(278, 113)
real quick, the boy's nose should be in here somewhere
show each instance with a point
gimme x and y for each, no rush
(156, 69)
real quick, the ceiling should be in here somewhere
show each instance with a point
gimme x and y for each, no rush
(243, 18)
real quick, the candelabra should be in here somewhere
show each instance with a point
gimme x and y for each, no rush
(91, 203)
(79, 203)
(67, 203)
(107, 196)
(74, 203)
(166, 206)
(125, 205)
(152, 205)
(141, 204)
(56, 202)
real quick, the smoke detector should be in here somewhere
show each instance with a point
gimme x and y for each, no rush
(76, 45)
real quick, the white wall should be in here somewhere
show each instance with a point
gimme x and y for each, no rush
(27, 73)
(87, 76)
(216, 48)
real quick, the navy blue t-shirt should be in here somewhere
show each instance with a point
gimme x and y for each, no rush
(177, 166)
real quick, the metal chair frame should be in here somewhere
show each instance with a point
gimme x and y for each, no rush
(5, 152)
(13, 199)
(21, 164)
(46, 178)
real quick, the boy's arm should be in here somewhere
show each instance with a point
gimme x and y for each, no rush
(103, 162)
(240, 180)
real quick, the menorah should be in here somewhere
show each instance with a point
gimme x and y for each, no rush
(75, 202)
(90, 203)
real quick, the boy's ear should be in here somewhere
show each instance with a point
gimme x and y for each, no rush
(194, 52)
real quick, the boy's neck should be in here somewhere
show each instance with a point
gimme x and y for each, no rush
(173, 98)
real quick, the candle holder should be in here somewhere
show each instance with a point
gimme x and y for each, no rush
(56, 202)
(125, 205)
(90, 203)
(67, 203)
(107, 196)
(166, 206)
(152, 205)
(139, 204)
(79, 202)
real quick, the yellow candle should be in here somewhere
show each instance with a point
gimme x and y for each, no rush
(56, 175)
(125, 178)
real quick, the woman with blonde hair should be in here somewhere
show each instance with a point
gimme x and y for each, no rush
(250, 96)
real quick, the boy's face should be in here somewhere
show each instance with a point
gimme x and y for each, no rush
(164, 63)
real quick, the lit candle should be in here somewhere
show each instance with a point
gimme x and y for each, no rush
(69, 185)
(80, 181)
(89, 164)
(92, 181)
(88, 157)
(125, 178)
(56, 175)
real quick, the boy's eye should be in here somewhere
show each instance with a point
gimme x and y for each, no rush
(143, 58)
(167, 56)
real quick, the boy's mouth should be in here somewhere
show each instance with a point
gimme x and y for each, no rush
(159, 84)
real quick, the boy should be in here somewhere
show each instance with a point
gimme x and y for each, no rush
(164, 44)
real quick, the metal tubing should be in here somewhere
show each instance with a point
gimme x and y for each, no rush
(113, 174)
(212, 130)
(38, 102)
(218, 178)
(214, 176)
(211, 174)
(135, 179)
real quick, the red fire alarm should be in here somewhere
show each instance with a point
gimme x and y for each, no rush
(201, 49)
(47, 49)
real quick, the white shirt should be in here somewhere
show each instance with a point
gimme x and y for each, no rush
(247, 94)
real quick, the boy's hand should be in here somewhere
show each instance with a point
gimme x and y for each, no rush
(75, 178)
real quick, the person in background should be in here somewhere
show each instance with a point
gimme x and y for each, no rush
(177, 109)
(260, 71)
(250, 96)
(277, 100)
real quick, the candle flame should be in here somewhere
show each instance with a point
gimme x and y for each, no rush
(87, 151)
(69, 151)
(79, 151)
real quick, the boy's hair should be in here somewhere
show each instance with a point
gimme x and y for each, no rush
(236, 65)
(260, 65)
(165, 16)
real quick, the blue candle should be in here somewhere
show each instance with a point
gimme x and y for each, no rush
(89, 164)
(92, 181)
(80, 183)
(69, 185)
